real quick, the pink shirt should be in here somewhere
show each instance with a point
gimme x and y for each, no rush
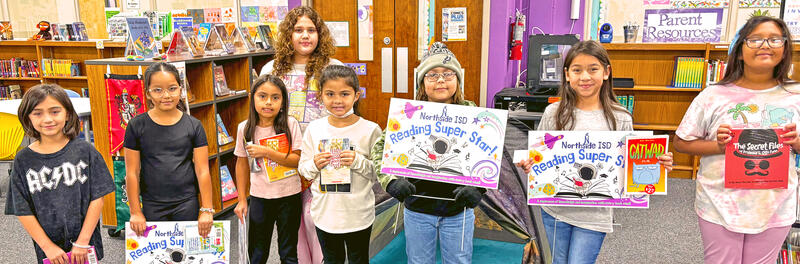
(748, 211)
(259, 185)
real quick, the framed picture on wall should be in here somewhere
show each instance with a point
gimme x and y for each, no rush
(790, 13)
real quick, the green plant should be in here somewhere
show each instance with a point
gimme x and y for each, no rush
(759, 12)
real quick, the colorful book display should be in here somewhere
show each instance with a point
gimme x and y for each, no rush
(18, 67)
(580, 169)
(218, 41)
(241, 39)
(264, 33)
(716, 71)
(757, 158)
(443, 142)
(335, 172)
(626, 101)
(223, 137)
(688, 72)
(178, 242)
(203, 30)
(140, 37)
(228, 188)
(275, 171)
(643, 173)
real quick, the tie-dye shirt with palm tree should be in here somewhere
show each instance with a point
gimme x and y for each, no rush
(747, 211)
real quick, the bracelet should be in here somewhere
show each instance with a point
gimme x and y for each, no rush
(207, 210)
(79, 245)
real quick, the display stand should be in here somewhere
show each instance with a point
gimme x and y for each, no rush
(241, 40)
(217, 42)
(183, 42)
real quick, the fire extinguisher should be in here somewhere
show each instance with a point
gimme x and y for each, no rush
(518, 30)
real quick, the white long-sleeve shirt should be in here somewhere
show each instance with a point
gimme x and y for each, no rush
(340, 213)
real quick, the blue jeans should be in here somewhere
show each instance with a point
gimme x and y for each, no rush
(423, 230)
(571, 244)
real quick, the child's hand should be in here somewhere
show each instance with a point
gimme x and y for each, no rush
(322, 160)
(241, 210)
(79, 255)
(256, 151)
(204, 223)
(56, 255)
(138, 223)
(724, 134)
(347, 157)
(666, 160)
(791, 136)
(526, 165)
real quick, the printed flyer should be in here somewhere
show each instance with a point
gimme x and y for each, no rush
(580, 169)
(643, 174)
(444, 142)
(178, 242)
(757, 159)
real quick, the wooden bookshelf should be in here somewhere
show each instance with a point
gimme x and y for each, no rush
(77, 51)
(657, 106)
(232, 109)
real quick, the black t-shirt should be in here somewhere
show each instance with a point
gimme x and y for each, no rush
(57, 188)
(166, 152)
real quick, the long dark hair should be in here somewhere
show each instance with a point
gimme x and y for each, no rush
(281, 122)
(35, 96)
(735, 68)
(284, 50)
(565, 114)
(335, 72)
(168, 68)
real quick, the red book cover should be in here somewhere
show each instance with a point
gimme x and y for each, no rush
(643, 173)
(757, 158)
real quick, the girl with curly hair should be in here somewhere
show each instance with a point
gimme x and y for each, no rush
(304, 47)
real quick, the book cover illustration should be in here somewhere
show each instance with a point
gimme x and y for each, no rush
(265, 34)
(223, 138)
(643, 173)
(91, 257)
(80, 30)
(226, 184)
(334, 172)
(212, 15)
(275, 171)
(220, 85)
(757, 158)
(140, 36)
(197, 15)
(180, 22)
(6, 32)
(227, 15)
(443, 142)
(177, 242)
(203, 30)
(580, 169)
(193, 43)
(249, 13)
(56, 28)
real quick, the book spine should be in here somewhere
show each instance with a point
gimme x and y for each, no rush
(630, 103)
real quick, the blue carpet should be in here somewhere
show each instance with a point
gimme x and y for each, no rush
(483, 251)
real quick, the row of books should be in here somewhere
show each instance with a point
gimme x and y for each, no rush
(17, 67)
(60, 68)
(626, 101)
(69, 32)
(10, 92)
(688, 72)
(716, 71)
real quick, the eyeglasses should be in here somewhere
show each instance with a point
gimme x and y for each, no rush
(756, 43)
(432, 77)
(158, 91)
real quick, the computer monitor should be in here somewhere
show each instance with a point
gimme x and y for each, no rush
(546, 55)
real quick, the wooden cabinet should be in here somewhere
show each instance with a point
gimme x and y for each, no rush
(232, 109)
(77, 51)
(658, 106)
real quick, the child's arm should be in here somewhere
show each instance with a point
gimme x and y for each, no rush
(79, 246)
(259, 151)
(702, 147)
(204, 182)
(132, 169)
(53, 252)
(309, 162)
(242, 187)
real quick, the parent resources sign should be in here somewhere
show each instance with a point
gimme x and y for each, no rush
(682, 25)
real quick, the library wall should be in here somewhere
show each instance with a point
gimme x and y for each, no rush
(24, 14)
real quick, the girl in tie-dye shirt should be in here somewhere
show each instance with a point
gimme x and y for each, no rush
(744, 225)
